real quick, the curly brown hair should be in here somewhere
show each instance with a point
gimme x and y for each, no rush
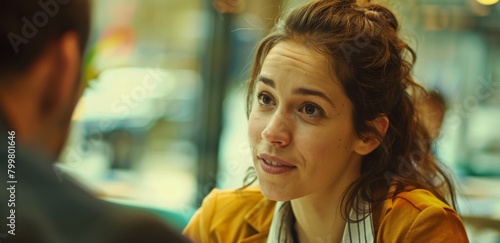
(373, 64)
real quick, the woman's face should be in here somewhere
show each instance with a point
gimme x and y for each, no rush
(300, 126)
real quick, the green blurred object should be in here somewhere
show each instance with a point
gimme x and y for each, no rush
(90, 72)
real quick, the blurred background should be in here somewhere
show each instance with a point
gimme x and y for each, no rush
(163, 122)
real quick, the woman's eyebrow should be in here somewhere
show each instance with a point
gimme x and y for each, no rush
(267, 81)
(298, 91)
(310, 92)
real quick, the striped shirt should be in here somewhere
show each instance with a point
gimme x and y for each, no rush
(283, 222)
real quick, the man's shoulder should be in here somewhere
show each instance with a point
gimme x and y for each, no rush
(131, 225)
(71, 213)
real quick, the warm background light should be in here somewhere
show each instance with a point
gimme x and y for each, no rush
(487, 2)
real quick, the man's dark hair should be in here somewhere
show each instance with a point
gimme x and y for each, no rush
(27, 26)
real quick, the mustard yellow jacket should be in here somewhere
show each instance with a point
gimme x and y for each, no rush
(245, 216)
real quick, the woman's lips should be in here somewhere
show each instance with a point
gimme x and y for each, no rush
(274, 165)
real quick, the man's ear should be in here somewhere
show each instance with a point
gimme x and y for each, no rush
(72, 61)
(64, 83)
(371, 141)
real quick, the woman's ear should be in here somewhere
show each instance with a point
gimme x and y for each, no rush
(371, 141)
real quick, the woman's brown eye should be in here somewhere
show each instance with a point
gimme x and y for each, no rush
(266, 99)
(310, 109)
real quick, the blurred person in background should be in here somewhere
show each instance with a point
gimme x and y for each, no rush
(337, 148)
(41, 46)
(432, 110)
(229, 6)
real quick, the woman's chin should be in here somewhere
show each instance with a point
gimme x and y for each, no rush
(275, 193)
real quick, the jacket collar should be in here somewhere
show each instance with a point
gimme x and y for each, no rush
(260, 218)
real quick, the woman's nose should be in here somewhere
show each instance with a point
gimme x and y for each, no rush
(277, 130)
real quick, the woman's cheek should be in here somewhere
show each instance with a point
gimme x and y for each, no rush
(254, 128)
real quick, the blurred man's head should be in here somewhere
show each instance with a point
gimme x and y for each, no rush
(41, 45)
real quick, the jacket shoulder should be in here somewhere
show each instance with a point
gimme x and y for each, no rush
(419, 216)
(228, 215)
(419, 199)
(245, 196)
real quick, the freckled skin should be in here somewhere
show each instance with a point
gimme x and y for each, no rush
(279, 125)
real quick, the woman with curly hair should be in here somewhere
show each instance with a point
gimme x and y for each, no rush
(338, 149)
